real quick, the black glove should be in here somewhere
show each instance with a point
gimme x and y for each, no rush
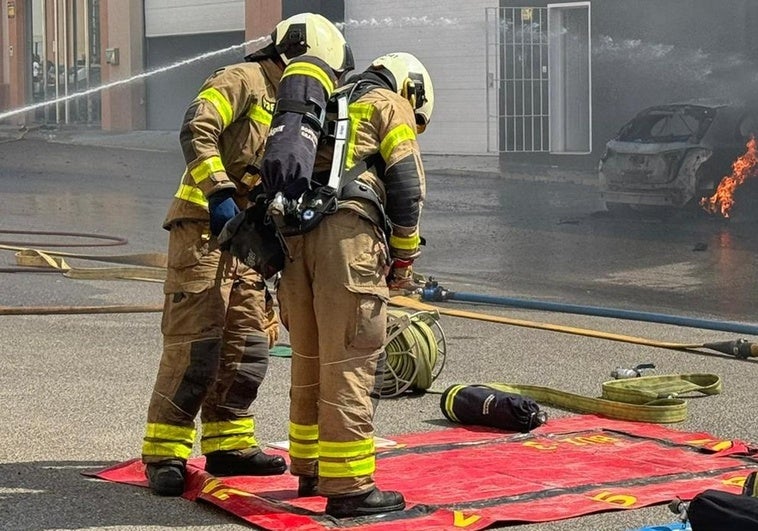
(251, 237)
(222, 208)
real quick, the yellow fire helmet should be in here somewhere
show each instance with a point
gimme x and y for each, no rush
(411, 80)
(308, 34)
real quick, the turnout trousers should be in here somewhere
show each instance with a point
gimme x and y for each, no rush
(333, 299)
(218, 323)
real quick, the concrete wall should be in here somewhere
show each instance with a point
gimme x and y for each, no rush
(4, 70)
(334, 10)
(179, 17)
(18, 57)
(122, 27)
(260, 17)
(449, 38)
(170, 93)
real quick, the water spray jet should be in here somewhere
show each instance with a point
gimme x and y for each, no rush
(143, 75)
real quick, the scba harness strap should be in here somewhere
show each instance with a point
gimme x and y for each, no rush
(301, 216)
(312, 112)
(304, 214)
(256, 236)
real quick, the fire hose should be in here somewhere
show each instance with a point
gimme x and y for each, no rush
(432, 291)
(415, 348)
(146, 267)
(739, 348)
(415, 352)
(657, 399)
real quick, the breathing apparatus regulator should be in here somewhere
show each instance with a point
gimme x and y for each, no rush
(404, 74)
(251, 237)
(301, 215)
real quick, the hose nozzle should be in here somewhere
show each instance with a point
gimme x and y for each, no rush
(679, 508)
(739, 348)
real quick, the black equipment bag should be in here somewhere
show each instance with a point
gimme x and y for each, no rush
(715, 510)
(483, 405)
(252, 237)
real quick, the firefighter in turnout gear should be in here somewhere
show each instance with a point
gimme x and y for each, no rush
(218, 319)
(347, 228)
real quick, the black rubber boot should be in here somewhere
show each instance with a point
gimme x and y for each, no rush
(307, 486)
(366, 503)
(247, 462)
(167, 478)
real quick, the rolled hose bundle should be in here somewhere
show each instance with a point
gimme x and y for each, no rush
(415, 352)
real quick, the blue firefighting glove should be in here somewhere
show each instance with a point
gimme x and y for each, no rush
(222, 208)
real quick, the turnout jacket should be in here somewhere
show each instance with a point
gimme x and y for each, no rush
(383, 129)
(223, 135)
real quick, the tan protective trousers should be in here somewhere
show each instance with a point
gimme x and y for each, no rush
(218, 323)
(332, 298)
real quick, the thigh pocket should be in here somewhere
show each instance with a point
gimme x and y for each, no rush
(369, 327)
(188, 243)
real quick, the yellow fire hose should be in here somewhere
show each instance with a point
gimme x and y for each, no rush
(415, 304)
(416, 347)
(150, 267)
(415, 352)
(657, 399)
(147, 266)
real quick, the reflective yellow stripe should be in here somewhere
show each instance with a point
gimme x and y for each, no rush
(310, 70)
(407, 243)
(259, 114)
(166, 449)
(346, 450)
(304, 432)
(206, 168)
(449, 399)
(166, 440)
(224, 443)
(304, 450)
(349, 469)
(357, 112)
(170, 432)
(228, 427)
(398, 135)
(192, 194)
(220, 103)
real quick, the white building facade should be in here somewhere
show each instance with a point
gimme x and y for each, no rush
(449, 37)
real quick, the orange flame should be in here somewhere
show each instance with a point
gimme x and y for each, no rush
(745, 166)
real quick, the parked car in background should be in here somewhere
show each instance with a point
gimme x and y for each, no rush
(673, 155)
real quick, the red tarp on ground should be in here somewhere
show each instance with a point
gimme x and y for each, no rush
(468, 477)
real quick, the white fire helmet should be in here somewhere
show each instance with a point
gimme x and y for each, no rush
(314, 35)
(412, 81)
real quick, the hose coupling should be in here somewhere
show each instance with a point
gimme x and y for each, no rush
(432, 291)
(621, 373)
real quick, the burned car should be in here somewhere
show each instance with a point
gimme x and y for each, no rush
(673, 155)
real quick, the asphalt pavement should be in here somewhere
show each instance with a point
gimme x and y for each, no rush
(75, 388)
